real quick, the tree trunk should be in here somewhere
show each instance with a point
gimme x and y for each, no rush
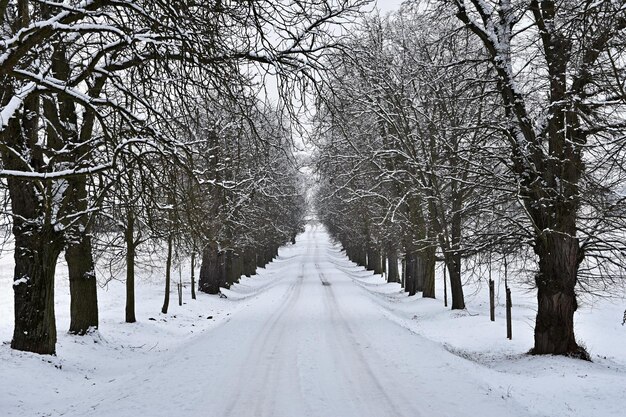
(168, 276)
(429, 258)
(37, 244)
(36, 254)
(559, 258)
(374, 261)
(403, 273)
(370, 259)
(383, 263)
(80, 263)
(349, 252)
(269, 255)
(392, 270)
(237, 266)
(130, 268)
(361, 257)
(409, 280)
(453, 263)
(229, 276)
(249, 262)
(193, 275)
(210, 270)
(260, 261)
(419, 271)
(83, 286)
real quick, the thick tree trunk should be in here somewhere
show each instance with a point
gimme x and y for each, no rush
(374, 261)
(168, 276)
(237, 266)
(409, 274)
(249, 262)
(269, 255)
(211, 272)
(559, 258)
(419, 271)
(260, 261)
(36, 254)
(371, 259)
(429, 260)
(361, 257)
(392, 271)
(453, 263)
(229, 276)
(83, 286)
(383, 263)
(37, 244)
(347, 252)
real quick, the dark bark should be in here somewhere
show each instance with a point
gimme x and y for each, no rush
(383, 263)
(249, 262)
(429, 262)
(409, 274)
(559, 257)
(229, 276)
(392, 270)
(168, 276)
(360, 256)
(453, 264)
(129, 237)
(36, 254)
(193, 275)
(237, 266)
(37, 243)
(211, 271)
(83, 286)
(374, 261)
(419, 271)
(403, 273)
(260, 260)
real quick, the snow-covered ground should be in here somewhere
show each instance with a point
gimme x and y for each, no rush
(310, 335)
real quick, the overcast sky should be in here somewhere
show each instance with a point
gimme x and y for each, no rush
(388, 5)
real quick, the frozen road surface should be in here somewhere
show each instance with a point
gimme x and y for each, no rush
(313, 343)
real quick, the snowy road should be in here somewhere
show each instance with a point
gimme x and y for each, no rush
(313, 343)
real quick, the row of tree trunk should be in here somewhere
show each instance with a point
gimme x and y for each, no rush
(418, 272)
(221, 268)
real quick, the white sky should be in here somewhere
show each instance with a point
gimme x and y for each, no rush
(388, 5)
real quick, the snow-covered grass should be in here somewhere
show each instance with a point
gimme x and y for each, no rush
(121, 355)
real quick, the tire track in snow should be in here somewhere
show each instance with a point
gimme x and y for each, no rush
(365, 385)
(259, 366)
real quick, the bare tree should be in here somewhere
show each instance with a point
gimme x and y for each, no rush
(558, 75)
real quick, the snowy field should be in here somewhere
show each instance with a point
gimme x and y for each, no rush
(310, 335)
